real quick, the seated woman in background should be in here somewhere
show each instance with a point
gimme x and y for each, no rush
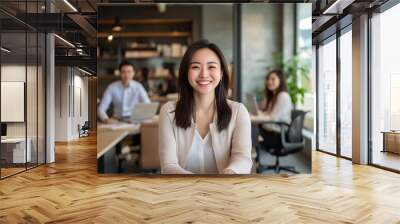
(203, 132)
(277, 106)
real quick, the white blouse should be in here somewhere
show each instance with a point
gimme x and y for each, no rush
(201, 159)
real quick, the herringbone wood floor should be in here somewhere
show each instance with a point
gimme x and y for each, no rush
(70, 191)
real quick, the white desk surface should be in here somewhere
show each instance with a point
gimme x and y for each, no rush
(258, 119)
(13, 140)
(131, 128)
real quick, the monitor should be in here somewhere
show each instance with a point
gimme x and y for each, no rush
(252, 103)
(144, 111)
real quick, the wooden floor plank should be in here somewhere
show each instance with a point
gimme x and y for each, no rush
(70, 191)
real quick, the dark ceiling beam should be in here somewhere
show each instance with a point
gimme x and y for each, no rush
(84, 24)
(91, 5)
(337, 7)
(77, 61)
(49, 22)
(320, 22)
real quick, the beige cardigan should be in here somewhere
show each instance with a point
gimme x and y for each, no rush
(232, 146)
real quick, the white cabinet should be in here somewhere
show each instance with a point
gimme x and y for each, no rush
(16, 149)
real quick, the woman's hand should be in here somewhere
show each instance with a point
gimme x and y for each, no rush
(228, 171)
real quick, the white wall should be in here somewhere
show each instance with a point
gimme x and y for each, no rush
(221, 32)
(33, 126)
(261, 37)
(71, 94)
(16, 73)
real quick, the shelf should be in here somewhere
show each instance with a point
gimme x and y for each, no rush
(114, 58)
(174, 34)
(143, 48)
(144, 21)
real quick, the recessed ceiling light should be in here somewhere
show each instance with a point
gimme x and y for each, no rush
(70, 5)
(65, 41)
(5, 50)
(84, 71)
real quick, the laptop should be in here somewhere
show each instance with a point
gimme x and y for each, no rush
(144, 111)
(252, 104)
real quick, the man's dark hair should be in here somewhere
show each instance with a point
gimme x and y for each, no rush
(126, 63)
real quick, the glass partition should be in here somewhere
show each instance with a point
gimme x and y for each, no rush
(41, 88)
(14, 153)
(22, 90)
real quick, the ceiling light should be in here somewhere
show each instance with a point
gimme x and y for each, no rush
(84, 71)
(117, 25)
(79, 51)
(65, 41)
(5, 50)
(337, 7)
(70, 5)
(110, 37)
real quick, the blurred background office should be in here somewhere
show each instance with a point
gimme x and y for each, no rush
(254, 38)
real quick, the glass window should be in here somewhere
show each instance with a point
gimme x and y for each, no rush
(385, 89)
(346, 94)
(304, 51)
(327, 96)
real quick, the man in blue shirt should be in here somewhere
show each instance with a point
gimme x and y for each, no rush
(123, 94)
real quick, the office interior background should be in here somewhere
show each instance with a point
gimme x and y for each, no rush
(49, 75)
(155, 37)
(328, 89)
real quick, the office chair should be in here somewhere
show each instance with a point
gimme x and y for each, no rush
(84, 129)
(291, 141)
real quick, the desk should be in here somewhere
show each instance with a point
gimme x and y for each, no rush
(108, 138)
(258, 119)
(108, 135)
(391, 141)
(13, 150)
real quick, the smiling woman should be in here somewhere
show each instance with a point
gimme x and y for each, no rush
(203, 132)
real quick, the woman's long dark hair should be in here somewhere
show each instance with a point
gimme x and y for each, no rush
(269, 95)
(185, 105)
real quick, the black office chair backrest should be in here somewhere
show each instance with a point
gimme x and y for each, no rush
(86, 125)
(295, 131)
